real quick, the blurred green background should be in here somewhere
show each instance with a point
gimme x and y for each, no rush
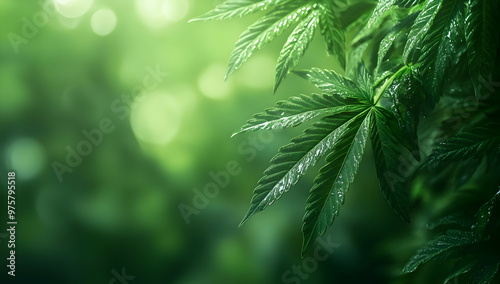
(67, 69)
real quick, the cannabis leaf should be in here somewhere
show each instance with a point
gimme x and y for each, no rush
(420, 28)
(483, 218)
(265, 30)
(334, 179)
(295, 48)
(409, 102)
(473, 245)
(284, 13)
(440, 45)
(333, 33)
(452, 239)
(476, 142)
(408, 3)
(481, 32)
(461, 267)
(398, 59)
(297, 110)
(235, 8)
(294, 159)
(385, 137)
(378, 15)
(329, 81)
(388, 41)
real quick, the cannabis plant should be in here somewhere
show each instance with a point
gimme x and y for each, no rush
(417, 83)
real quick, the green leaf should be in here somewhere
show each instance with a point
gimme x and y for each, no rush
(293, 160)
(485, 272)
(354, 57)
(394, 33)
(481, 226)
(420, 27)
(365, 82)
(385, 136)
(330, 82)
(476, 142)
(441, 244)
(295, 47)
(335, 178)
(408, 3)
(376, 18)
(441, 44)
(382, 7)
(456, 219)
(297, 110)
(333, 33)
(408, 102)
(234, 8)
(481, 33)
(461, 267)
(264, 31)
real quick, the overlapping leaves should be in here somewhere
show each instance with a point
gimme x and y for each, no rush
(349, 118)
(476, 142)
(308, 15)
(422, 44)
(473, 241)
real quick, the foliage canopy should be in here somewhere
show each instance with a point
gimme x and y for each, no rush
(406, 65)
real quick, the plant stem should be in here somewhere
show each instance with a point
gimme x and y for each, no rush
(388, 83)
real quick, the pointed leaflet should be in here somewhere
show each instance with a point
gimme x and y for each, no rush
(476, 142)
(365, 82)
(265, 30)
(441, 244)
(333, 33)
(385, 135)
(457, 220)
(408, 102)
(481, 32)
(481, 227)
(297, 110)
(354, 57)
(440, 45)
(485, 271)
(295, 47)
(394, 33)
(330, 82)
(419, 29)
(408, 3)
(293, 160)
(460, 267)
(335, 178)
(386, 70)
(376, 19)
(234, 8)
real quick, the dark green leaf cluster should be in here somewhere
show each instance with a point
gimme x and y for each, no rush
(478, 241)
(407, 67)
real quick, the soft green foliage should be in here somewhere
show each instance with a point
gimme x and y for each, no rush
(476, 240)
(479, 141)
(482, 39)
(402, 60)
(444, 243)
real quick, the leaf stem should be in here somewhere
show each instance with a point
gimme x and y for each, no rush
(387, 83)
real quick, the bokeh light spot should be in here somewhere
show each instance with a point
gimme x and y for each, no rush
(259, 73)
(103, 22)
(175, 10)
(156, 119)
(25, 157)
(73, 8)
(211, 82)
(150, 12)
